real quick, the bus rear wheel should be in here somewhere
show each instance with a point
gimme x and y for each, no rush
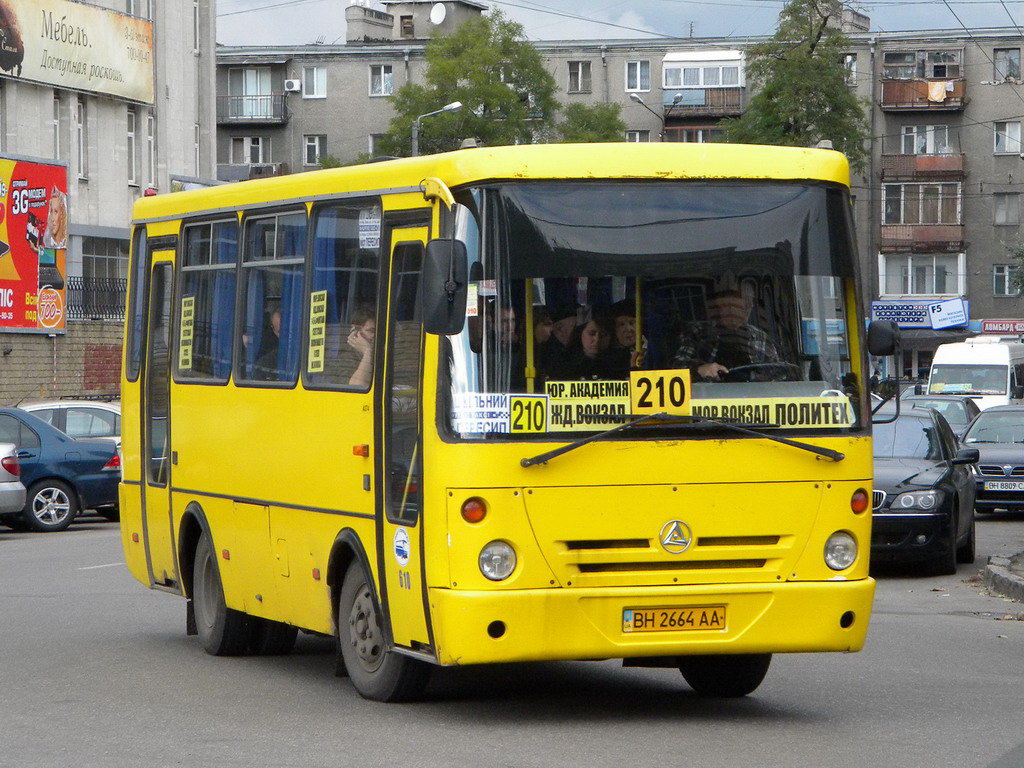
(376, 671)
(222, 631)
(725, 677)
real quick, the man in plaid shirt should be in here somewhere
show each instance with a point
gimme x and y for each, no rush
(712, 347)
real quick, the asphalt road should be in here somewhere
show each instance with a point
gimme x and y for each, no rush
(95, 670)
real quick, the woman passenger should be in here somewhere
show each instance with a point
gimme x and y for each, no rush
(588, 356)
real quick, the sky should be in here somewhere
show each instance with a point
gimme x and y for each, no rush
(292, 22)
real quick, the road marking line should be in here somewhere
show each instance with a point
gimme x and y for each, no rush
(107, 565)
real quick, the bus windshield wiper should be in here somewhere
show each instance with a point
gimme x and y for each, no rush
(696, 421)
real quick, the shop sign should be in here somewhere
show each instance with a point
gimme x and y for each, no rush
(948, 314)
(33, 246)
(1015, 327)
(916, 313)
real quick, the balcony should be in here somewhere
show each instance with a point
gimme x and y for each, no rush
(268, 109)
(246, 171)
(923, 238)
(96, 298)
(704, 102)
(922, 167)
(923, 95)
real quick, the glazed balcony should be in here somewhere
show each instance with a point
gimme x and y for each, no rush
(704, 102)
(922, 167)
(924, 95)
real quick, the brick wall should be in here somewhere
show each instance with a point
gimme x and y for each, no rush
(85, 360)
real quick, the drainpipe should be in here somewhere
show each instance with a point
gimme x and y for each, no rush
(604, 65)
(405, 57)
(874, 215)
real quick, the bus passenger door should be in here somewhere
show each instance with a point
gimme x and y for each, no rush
(155, 453)
(401, 525)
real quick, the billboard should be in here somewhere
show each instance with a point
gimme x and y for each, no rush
(916, 313)
(74, 45)
(33, 246)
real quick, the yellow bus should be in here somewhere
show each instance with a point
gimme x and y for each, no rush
(510, 404)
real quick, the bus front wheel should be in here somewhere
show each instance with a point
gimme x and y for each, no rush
(724, 677)
(376, 671)
(222, 631)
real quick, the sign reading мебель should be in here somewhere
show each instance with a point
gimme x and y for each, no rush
(33, 245)
(74, 45)
(913, 313)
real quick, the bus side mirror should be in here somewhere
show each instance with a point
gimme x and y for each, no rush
(883, 338)
(444, 287)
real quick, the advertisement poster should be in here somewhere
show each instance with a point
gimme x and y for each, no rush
(79, 46)
(33, 246)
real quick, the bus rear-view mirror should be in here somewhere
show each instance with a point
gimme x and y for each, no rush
(883, 338)
(444, 286)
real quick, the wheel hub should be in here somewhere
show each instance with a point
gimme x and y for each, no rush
(364, 630)
(51, 506)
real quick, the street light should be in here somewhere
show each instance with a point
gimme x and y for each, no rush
(675, 100)
(416, 124)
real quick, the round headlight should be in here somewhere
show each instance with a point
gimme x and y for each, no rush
(840, 551)
(497, 560)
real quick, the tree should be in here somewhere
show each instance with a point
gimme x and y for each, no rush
(488, 64)
(1016, 253)
(803, 95)
(601, 122)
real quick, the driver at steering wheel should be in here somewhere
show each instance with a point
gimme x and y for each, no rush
(726, 340)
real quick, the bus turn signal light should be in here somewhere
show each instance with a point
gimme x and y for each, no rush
(474, 510)
(859, 500)
(361, 450)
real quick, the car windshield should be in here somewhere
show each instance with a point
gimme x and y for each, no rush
(580, 293)
(968, 380)
(909, 437)
(1000, 427)
(954, 411)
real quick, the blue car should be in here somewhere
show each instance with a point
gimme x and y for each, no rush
(63, 475)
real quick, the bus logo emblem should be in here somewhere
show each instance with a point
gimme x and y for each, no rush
(402, 548)
(675, 536)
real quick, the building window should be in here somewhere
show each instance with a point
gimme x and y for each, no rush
(81, 128)
(638, 75)
(131, 147)
(250, 150)
(850, 65)
(932, 274)
(910, 65)
(195, 26)
(151, 147)
(701, 76)
(693, 135)
(921, 203)
(142, 8)
(926, 140)
(579, 77)
(380, 80)
(405, 25)
(1007, 61)
(56, 125)
(195, 136)
(375, 143)
(314, 82)
(1007, 137)
(1001, 277)
(638, 136)
(104, 257)
(1007, 208)
(315, 148)
(249, 93)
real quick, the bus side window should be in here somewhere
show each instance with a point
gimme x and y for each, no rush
(343, 296)
(272, 276)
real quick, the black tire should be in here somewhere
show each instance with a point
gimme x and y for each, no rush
(724, 677)
(271, 638)
(965, 553)
(376, 671)
(222, 631)
(15, 522)
(50, 506)
(945, 564)
(111, 514)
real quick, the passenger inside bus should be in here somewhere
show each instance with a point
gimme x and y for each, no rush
(266, 368)
(361, 339)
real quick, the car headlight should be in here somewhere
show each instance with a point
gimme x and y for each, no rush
(497, 560)
(917, 500)
(840, 551)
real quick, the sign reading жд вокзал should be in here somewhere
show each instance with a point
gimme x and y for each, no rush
(74, 45)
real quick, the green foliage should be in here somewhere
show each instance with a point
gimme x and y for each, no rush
(1016, 254)
(803, 95)
(497, 74)
(330, 161)
(582, 123)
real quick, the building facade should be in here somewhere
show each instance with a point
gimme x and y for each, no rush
(936, 208)
(116, 147)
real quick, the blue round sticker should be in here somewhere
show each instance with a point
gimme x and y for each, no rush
(402, 547)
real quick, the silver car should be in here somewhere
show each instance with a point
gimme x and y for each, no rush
(12, 492)
(86, 419)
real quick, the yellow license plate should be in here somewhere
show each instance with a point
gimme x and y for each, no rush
(704, 617)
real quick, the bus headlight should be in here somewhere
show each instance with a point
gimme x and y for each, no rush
(840, 551)
(497, 560)
(916, 500)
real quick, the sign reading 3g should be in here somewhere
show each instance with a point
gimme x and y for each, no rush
(660, 392)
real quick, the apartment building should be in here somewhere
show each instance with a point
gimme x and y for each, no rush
(935, 209)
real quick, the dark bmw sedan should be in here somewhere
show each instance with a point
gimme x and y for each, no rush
(924, 493)
(63, 476)
(958, 410)
(998, 434)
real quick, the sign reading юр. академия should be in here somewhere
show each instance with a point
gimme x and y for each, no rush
(77, 46)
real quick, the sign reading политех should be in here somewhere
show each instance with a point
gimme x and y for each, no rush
(74, 45)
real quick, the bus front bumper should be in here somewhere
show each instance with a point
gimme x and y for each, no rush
(552, 624)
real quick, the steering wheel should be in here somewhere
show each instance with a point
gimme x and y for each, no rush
(746, 372)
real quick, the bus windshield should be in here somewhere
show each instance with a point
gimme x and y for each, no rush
(968, 380)
(574, 286)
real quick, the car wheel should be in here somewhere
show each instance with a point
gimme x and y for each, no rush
(14, 522)
(222, 631)
(965, 552)
(724, 677)
(945, 564)
(50, 506)
(376, 671)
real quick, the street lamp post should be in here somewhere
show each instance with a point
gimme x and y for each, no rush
(675, 100)
(416, 124)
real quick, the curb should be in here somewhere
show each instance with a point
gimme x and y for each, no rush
(999, 578)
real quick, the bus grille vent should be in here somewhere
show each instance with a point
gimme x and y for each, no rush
(609, 544)
(670, 565)
(737, 541)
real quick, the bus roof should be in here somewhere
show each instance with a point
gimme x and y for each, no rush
(974, 352)
(658, 160)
